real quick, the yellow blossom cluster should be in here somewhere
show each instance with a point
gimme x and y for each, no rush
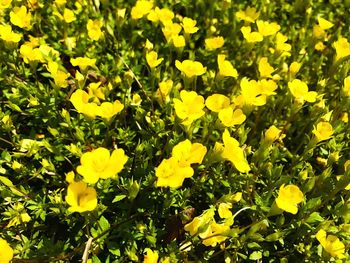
(331, 244)
(255, 93)
(231, 151)
(95, 165)
(190, 107)
(89, 103)
(228, 115)
(173, 171)
(211, 232)
(264, 107)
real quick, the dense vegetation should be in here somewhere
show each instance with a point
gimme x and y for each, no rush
(174, 131)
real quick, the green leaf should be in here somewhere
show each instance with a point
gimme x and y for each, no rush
(14, 106)
(6, 181)
(95, 259)
(104, 224)
(255, 255)
(118, 198)
(6, 156)
(273, 237)
(314, 218)
(253, 245)
(312, 203)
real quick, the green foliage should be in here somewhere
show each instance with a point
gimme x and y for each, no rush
(262, 188)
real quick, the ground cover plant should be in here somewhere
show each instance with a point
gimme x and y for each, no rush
(174, 131)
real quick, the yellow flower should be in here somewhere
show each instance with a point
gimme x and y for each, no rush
(5, 4)
(153, 15)
(187, 153)
(251, 93)
(225, 67)
(16, 165)
(6, 252)
(179, 41)
(48, 52)
(323, 131)
(224, 210)
(190, 107)
(30, 54)
(281, 45)
(165, 260)
(214, 42)
(331, 244)
(108, 109)
(121, 13)
(80, 197)
(272, 134)
(300, 91)
(7, 121)
(68, 15)
(33, 4)
(342, 48)
(267, 29)
(190, 68)
(59, 76)
(171, 30)
(199, 222)
(136, 100)
(230, 117)
(94, 29)
(148, 45)
(162, 93)
(249, 15)
(8, 35)
(171, 174)
(289, 197)
(344, 117)
(346, 88)
(33, 41)
(70, 177)
(189, 25)
(96, 92)
(319, 46)
(83, 62)
(60, 2)
(231, 151)
(324, 24)
(346, 168)
(19, 217)
(151, 256)
(141, 9)
(19, 17)
(217, 102)
(267, 87)
(163, 15)
(265, 69)
(318, 32)
(194, 225)
(294, 68)
(347, 165)
(251, 37)
(80, 101)
(152, 59)
(100, 164)
(215, 234)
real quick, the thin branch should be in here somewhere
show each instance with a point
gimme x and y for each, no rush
(87, 250)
